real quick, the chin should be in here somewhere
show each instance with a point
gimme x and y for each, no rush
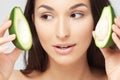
(66, 60)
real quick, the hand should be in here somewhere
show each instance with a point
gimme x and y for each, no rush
(7, 61)
(112, 57)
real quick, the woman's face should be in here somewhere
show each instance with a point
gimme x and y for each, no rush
(64, 28)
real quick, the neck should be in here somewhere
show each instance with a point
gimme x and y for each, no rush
(75, 71)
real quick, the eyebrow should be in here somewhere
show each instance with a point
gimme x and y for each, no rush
(73, 7)
(78, 5)
(46, 7)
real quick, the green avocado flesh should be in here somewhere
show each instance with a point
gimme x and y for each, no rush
(103, 31)
(20, 28)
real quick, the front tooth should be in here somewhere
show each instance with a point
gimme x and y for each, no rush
(64, 47)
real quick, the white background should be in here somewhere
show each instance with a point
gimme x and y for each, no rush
(7, 5)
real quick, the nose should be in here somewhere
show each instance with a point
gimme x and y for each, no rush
(62, 29)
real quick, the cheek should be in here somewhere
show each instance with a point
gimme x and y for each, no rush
(42, 32)
(83, 29)
(83, 33)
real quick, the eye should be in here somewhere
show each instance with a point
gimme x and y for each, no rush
(47, 17)
(76, 15)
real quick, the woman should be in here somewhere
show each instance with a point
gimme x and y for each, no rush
(63, 48)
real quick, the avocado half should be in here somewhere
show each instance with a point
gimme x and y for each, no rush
(20, 28)
(103, 31)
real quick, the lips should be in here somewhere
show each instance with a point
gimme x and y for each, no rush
(64, 48)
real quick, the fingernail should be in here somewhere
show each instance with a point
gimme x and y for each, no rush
(113, 27)
(114, 35)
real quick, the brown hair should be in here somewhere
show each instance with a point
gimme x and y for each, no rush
(38, 58)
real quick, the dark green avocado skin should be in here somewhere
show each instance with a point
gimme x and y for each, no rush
(12, 30)
(110, 42)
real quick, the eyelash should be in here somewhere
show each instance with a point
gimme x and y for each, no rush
(47, 17)
(75, 15)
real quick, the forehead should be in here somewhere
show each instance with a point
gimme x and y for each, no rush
(60, 3)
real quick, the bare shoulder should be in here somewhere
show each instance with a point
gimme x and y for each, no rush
(17, 75)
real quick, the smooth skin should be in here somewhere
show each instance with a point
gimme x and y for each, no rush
(68, 24)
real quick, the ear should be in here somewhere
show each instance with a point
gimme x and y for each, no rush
(33, 18)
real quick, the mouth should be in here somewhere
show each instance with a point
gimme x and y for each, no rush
(64, 48)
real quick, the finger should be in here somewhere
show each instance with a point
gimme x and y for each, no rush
(7, 39)
(117, 21)
(116, 29)
(4, 27)
(116, 40)
(6, 19)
